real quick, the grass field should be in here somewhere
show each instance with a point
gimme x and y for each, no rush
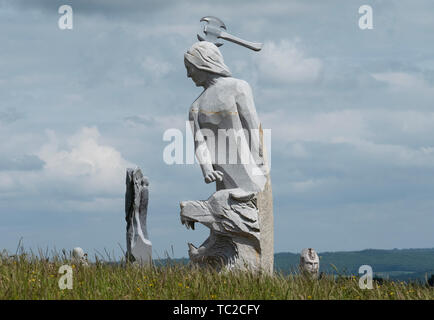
(25, 276)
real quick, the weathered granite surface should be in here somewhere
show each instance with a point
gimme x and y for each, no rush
(232, 217)
(230, 150)
(139, 248)
(79, 257)
(309, 262)
(266, 223)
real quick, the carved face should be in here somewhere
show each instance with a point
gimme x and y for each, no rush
(79, 256)
(78, 253)
(309, 261)
(229, 214)
(199, 77)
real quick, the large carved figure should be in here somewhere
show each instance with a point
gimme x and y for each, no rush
(229, 147)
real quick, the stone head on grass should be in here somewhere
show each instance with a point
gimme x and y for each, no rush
(309, 262)
(79, 257)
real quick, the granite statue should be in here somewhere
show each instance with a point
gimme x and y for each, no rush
(309, 263)
(232, 217)
(79, 257)
(230, 150)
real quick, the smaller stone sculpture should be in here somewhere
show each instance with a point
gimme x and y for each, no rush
(309, 263)
(139, 248)
(79, 257)
(232, 217)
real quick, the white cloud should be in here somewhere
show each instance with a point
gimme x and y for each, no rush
(9, 115)
(284, 62)
(375, 135)
(84, 164)
(307, 185)
(165, 122)
(330, 127)
(397, 155)
(164, 30)
(157, 67)
(400, 80)
(77, 169)
(297, 150)
(6, 182)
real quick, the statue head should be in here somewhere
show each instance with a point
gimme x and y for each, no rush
(204, 61)
(309, 262)
(233, 219)
(79, 256)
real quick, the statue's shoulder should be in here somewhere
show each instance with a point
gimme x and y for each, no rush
(196, 103)
(236, 85)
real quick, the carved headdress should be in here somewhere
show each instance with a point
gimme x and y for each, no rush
(206, 56)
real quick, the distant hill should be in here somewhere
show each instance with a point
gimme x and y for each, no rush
(396, 264)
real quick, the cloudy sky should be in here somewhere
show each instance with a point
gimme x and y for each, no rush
(351, 114)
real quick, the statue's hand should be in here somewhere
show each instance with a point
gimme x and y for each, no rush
(214, 176)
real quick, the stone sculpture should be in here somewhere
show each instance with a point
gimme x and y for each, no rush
(232, 217)
(139, 248)
(309, 263)
(216, 29)
(230, 150)
(79, 257)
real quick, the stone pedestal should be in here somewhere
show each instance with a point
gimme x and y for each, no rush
(266, 225)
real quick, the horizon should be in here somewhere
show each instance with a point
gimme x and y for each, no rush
(102, 253)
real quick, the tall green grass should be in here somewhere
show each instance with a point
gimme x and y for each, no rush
(30, 276)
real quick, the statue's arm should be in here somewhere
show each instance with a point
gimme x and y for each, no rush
(201, 151)
(249, 120)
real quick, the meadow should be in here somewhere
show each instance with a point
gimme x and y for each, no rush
(30, 276)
